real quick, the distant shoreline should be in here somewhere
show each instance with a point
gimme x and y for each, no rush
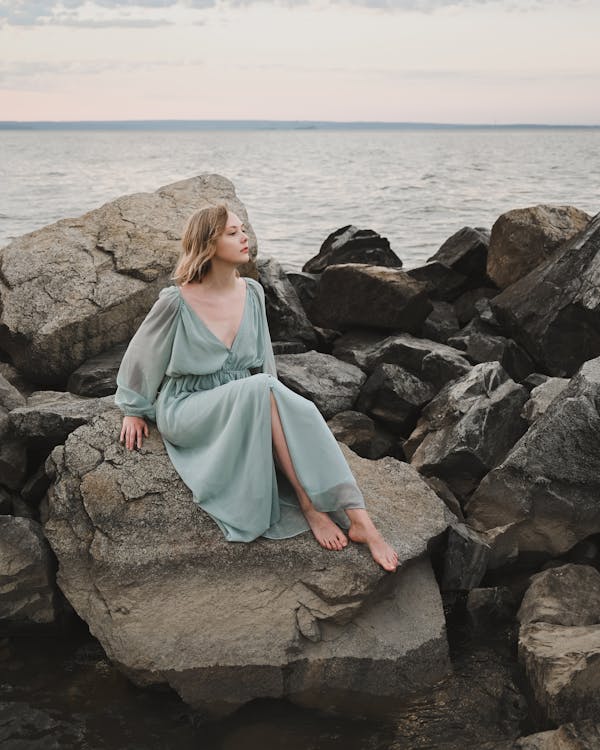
(191, 125)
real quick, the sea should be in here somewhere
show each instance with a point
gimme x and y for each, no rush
(415, 184)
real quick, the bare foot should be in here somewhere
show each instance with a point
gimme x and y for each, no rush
(326, 532)
(364, 532)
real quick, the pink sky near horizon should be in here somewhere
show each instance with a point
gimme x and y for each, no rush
(465, 62)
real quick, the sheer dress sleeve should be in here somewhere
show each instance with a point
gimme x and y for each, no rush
(145, 361)
(268, 365)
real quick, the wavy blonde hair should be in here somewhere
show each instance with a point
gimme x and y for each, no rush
(199, 243)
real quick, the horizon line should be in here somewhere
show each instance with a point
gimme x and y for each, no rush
(17, 124)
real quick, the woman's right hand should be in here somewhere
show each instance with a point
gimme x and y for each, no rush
(132, 431)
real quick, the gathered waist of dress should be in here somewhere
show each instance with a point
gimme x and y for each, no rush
(190, 383)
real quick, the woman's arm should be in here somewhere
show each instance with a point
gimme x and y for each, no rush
(269, 365)
(144, 364)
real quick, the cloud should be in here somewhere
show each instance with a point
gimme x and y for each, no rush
(133, 13)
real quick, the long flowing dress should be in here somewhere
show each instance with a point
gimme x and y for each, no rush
(211, 404)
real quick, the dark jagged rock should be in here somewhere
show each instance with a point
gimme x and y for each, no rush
(554, 311)
(286, 316)
(305, 285)
(333, 386)
(352, 245)
(356, 294)
(543, 498)
(481, 346)
(524, 237)
(360, 433)
(98, 375)
(441, 323)
(465, 306)
(466, 253)
(542, 396)
(465, 558)
(470, 426)
(395, 396)
(441, 282)
(581, 735)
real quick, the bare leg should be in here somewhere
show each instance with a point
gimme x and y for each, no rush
(362, 530)
(326, 532)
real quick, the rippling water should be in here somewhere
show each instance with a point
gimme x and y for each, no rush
(415, 187)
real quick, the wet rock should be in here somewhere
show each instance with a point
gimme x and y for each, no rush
(26, 573)
(559, 642)
(441, 323)
(522, 238)
(172, 602)
(352, 245)
(98, 375)
(554, 311)
(543, 498)
(78, 287)
(465, 558)
(466, 253)
(332, 385)
(541, 397)
(357, 294)
(490, 605)
(428, 360)
(469, 427)
(441, 282)
(287, 319)
(360, 433)
(394, 396)
(305, 285)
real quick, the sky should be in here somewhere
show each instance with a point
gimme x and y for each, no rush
(468, 61)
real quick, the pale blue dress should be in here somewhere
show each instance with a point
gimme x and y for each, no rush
(214, 415)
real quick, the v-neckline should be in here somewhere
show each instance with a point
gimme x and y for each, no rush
(214, 335)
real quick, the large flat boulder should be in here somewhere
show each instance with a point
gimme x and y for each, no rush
(543, 498)
(77, 287)
(173, 603)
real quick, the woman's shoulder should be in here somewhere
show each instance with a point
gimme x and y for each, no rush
(254, 284)
(169, 298)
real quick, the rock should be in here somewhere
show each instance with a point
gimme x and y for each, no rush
(444, 492)
(466, 253)
(554, 311)
(534, 379)
(541, 397)
(333, 386)
(26, 573)
(465, 559)
(15, 378)
(98, 375)
(470, 426)
(441, 323)
(427, 360)
(73, 289)
(441, 282)
(287, 318)
(13, 463)
(357, 294)
(51, 415)
(35, 487)
(360, 433)
(394, 396)
(488, 606)
(583, 735)
(288, 347)
(173, 603)
(522, 238)
(481, 346)
(305, 285)
(355, 347)
(352, 245)
(565, 595)
(6, 500)
(543, 498)
(10, 397)
(465, 307)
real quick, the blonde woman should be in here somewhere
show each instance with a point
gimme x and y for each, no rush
(201, 366)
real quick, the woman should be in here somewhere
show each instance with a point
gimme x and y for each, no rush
(223, 424)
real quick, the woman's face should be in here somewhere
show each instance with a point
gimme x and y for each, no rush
(232, 245)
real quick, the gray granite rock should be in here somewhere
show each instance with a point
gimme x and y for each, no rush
(581, 735)
(75, 288)
(541, 397)
(173, 603)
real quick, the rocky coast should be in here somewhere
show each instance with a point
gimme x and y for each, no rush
(465, 395)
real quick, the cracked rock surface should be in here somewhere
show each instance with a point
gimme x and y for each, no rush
(75, 288)
(222, 623)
